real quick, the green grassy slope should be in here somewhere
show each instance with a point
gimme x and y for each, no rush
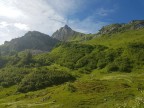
(108, 72)
(118, 39)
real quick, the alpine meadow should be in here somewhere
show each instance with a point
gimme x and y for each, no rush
(71, 68)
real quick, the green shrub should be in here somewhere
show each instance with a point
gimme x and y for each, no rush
(85, 70)
(42, 78)
(136, 46)
(11, 76)
(5, 84)
(124, 64)
(3, 62)
(101, 63)
(112, 67)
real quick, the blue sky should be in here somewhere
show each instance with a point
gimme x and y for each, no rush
(87, 16)
(112, 11)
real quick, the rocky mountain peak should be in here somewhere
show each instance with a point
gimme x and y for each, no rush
(64, 33)
(66, 27)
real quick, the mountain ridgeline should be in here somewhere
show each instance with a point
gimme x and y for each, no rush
(32, 40)
(115, 28)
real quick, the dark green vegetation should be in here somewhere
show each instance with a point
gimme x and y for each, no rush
(41, 78)
(105, 71)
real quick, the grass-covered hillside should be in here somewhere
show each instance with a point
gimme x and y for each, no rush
(120, 39)
(106, 71)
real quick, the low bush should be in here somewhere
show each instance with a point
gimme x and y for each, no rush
(12, 75)
(42, 78)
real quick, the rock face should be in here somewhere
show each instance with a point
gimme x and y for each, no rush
(114, 28)
(65, 33)
(137, 24)
(32, 40)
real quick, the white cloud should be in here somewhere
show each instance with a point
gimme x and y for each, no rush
(3, 24)
(9, 11)
(6, 25)
(21, 26)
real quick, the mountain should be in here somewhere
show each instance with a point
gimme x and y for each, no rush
(33, 40)
(102, 72)
(66, 34)
(114, 28)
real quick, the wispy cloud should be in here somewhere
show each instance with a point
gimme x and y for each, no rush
(104, 12)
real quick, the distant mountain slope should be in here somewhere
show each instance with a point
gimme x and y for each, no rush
(66, 34)
(114, 28)
(31, 40)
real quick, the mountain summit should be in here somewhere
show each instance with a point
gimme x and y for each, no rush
(32, 40)
(65, 33)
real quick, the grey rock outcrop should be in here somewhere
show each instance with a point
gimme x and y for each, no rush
(114, 28)
(65, 33)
